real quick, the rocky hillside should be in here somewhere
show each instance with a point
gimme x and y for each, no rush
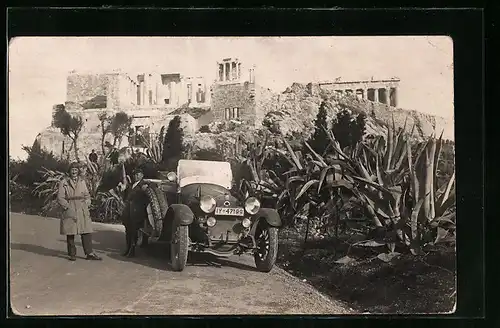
(298, 106)
(295, 111)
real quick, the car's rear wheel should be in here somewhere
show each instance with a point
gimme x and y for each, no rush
(179, 247)
(266, 238)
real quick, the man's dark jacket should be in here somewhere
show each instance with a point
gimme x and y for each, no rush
(136, 201)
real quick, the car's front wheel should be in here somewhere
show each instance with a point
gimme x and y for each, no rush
(179, 247)
(266, 238)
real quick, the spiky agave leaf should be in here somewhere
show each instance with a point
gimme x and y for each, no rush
(316, 155)
(305, 187)
(295, 160)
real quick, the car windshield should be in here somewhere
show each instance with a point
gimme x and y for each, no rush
(191, 171)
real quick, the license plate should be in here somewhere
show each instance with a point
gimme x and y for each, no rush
(230, 211)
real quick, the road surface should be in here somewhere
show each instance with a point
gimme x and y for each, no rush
(44, 282)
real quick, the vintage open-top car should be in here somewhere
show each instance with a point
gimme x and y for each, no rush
(207, 213)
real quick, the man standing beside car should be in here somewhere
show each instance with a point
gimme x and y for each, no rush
(135, 212)
(74, 198)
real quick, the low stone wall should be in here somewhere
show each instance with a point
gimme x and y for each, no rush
(52, 140)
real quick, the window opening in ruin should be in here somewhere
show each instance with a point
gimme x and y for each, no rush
(370, 94)
(139, 95)
(167, 101)
(228, 66)
(382, 96)
(200, 95)
(233, 71)
(236, 113)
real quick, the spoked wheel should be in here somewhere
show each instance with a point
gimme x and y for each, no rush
(179, 247)
(266, 238)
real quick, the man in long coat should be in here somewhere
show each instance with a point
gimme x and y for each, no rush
(74, 198)
(135, 212)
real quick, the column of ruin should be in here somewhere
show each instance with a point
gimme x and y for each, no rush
(394, 97)
(375, 94)
(388, 96)
(141, 93)
(239, 71)
(223, 72)
(145, 90)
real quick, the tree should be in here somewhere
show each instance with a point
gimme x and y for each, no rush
(347, 129)
(205, 129)
(172, 146)
(319, 140)
(117, 125)
(105, 123)
(358, 127)
(69, 125)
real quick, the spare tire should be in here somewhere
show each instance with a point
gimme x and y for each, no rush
(162, 201)
(155, 208)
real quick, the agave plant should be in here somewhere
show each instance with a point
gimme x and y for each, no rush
(398, 192)
(109, 206)
(433, 206)
(155, 147)
(48, 189)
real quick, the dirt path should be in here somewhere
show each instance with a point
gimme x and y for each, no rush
(44, 282)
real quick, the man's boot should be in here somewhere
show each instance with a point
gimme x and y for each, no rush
(131, 253)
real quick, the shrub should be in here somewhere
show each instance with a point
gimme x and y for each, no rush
(349, 129)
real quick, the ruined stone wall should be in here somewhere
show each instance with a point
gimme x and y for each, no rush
(83, 87)
(240, 95)
(80, 88)
(51, 139)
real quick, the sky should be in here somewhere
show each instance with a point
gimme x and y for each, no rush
(38, 67)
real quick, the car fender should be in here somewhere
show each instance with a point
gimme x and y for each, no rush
(180, 213)
(270, 215)
(176, 214)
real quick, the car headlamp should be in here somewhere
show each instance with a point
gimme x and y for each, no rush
(207, 204)
(171, 176)
(252, 205)
(211, 221)
(246, 223)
